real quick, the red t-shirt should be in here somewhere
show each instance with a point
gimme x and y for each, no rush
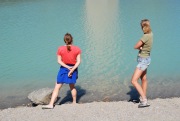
(69, 57)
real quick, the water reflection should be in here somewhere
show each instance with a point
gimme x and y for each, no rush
(104, 35)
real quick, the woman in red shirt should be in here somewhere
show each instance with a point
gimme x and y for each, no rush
(69, 57)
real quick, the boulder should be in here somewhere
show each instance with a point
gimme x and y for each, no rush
(41, 96)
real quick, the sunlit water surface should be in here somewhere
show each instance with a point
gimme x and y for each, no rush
(105, 30)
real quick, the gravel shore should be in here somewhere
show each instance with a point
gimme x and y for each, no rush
(160, 110)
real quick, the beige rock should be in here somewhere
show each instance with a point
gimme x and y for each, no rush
(41, 96)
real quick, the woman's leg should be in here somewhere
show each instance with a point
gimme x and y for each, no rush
(73, 92)
(55, 93)
(134, 81)
(144, 81)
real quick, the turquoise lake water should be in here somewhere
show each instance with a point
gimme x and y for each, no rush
(105, 30)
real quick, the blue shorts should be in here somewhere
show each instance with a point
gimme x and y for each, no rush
(143, 62)
(62, 76)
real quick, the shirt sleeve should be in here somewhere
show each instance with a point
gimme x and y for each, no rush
(59, 51)
(144, 38)
(79, 51)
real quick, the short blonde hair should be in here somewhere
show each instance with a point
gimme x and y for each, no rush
(145, 25)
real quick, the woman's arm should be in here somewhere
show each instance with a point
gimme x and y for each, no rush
(78, 61)
(59, 60)
(138, 45)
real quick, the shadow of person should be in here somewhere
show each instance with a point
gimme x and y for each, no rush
(68, 97)
(134, 95)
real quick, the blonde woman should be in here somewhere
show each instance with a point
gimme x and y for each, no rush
(69, 57)
(144, 46)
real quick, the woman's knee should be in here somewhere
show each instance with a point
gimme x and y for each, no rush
(57, 86)
(133, 81)
(71, 86)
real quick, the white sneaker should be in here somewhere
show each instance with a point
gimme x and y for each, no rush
(143, 103)
(140, 98)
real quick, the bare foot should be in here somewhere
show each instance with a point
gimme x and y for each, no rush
(47, 107)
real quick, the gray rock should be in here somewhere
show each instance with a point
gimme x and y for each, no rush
(41, 96)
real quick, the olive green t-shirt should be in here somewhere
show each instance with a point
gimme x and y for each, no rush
(147, 39)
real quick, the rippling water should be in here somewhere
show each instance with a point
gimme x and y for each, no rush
(105, 30)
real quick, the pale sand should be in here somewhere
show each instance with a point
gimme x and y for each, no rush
(160, 110)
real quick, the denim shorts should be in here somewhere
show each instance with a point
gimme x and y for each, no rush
(143, 62)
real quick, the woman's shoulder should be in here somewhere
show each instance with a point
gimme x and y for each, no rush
(148, 34)
(76, 47)
(62, 46)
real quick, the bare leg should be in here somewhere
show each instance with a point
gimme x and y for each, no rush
(134, 81)
(73, 92)
(144, 81)
(55, 93)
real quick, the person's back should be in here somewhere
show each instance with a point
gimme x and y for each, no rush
(69, 57)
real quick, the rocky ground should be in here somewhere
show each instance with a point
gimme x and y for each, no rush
(160, 110)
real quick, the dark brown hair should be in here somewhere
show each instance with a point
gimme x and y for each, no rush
(68, 39)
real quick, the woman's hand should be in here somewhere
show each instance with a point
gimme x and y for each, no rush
(138, 45)
(78, 59)
(70, 72)
(70, 67)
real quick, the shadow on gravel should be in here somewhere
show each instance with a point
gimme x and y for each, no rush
(68, 98)
(134, 95)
